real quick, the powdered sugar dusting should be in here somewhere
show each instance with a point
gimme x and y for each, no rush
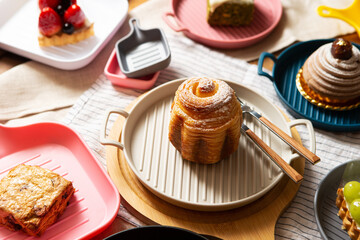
(206, 85)
(219, 95)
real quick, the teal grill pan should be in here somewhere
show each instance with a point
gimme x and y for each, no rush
(284, 72)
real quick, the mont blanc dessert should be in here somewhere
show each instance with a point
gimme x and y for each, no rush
(331, 75)
(205, 120)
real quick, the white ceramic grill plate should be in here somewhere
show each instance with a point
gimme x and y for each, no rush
(244, 177)
(19, 31)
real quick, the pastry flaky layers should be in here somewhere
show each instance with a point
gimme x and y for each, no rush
(205, 120)
(32, 198)
(348, 222)
(332, 76)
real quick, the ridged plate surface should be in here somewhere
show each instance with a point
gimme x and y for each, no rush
(191, 15)
(244, 177)
(145, 55)
(284, 73)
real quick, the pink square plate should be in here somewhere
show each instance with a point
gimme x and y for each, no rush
(56, 147)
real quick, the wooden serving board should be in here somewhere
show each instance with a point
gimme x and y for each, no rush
(253, 221)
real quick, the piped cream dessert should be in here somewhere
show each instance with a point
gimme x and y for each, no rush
(348, 202)
(331, 75)
(230, 12)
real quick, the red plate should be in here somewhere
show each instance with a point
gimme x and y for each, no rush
(190, 17)
(56, 147)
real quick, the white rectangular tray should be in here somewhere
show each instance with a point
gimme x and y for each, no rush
(19, 31)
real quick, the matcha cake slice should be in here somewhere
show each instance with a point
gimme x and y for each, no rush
(230, 12)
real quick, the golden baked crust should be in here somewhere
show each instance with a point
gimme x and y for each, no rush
(348, 223)
(32, 198)
(63, 38)
(205, 120)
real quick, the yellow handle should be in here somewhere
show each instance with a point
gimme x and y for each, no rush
(349, 15)
(325, 11)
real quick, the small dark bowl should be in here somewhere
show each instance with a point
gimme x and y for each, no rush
(156, 233)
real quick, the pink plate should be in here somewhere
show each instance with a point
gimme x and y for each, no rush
(113, 73)
(190, 17)
(56, 147)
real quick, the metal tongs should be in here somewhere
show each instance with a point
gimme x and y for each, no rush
(281, 163)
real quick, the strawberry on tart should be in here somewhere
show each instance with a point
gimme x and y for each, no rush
(62, 22)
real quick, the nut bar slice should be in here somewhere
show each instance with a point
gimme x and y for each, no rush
(32, 198)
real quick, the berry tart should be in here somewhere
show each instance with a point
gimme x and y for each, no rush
(62, 22)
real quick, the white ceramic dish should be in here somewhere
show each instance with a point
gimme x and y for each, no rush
(246, 176)
(19, 32)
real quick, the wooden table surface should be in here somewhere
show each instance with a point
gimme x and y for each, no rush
(9, 60)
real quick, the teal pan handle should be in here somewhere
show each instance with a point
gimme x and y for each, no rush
(261, 63)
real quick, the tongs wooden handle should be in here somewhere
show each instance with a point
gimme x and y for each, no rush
(284, 166)
(303, 151)
(300, 149)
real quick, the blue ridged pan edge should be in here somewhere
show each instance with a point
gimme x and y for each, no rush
(285, 69)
